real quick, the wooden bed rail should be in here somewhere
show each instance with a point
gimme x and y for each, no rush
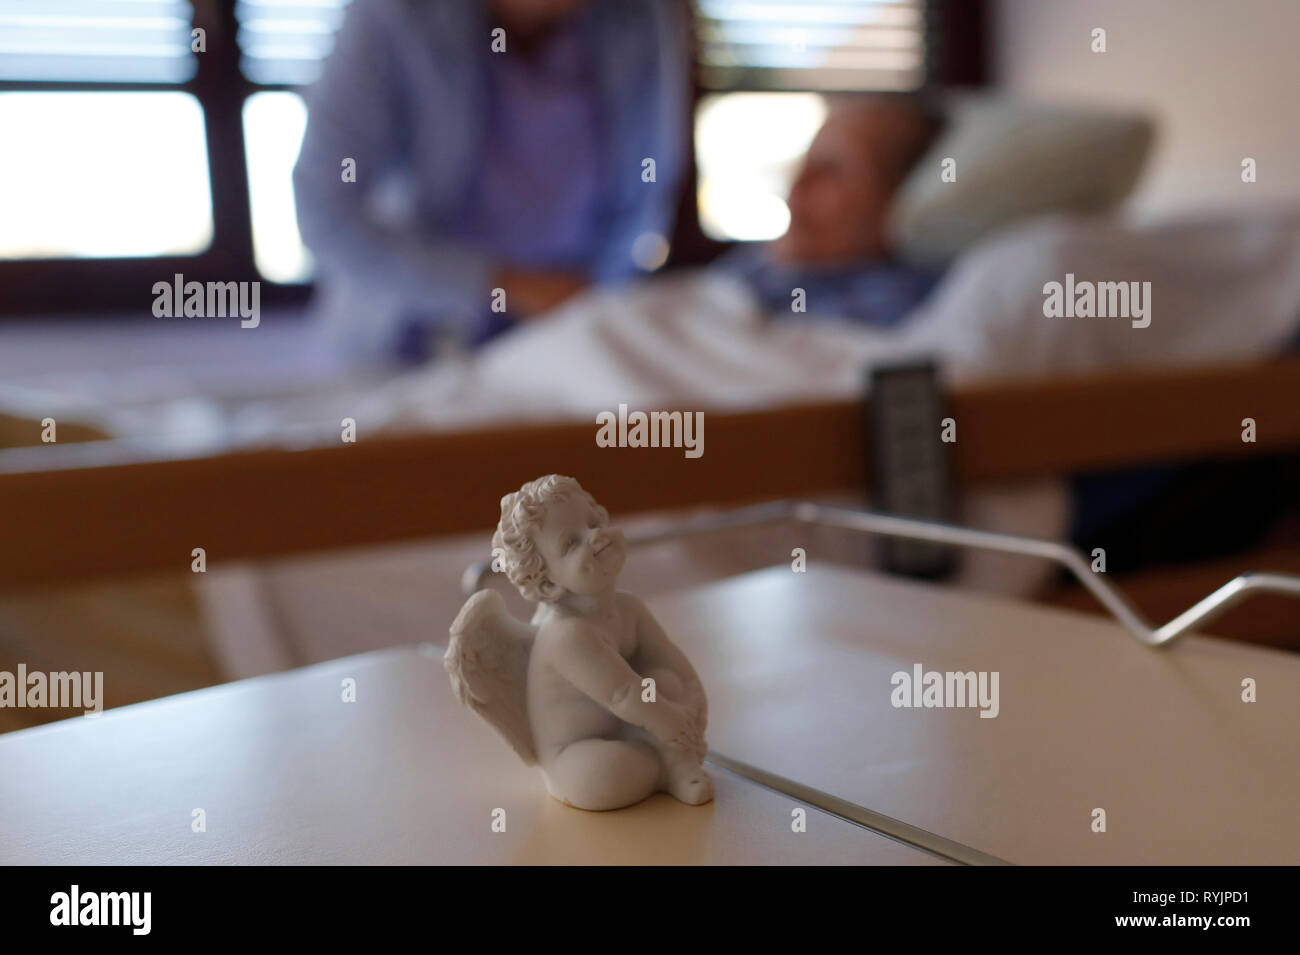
(72, 523)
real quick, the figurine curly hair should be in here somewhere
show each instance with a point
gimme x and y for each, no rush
(522, 513)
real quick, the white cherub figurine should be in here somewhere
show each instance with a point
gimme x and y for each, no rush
(570, 691)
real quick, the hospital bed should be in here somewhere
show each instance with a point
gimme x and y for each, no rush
(75, 513)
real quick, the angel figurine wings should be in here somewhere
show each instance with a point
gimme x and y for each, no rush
(592, 690)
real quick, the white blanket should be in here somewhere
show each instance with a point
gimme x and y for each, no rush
(1221, 289)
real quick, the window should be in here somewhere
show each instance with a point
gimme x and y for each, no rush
(747, 147)
(143, 142)
(283, 44)
(749, 136)
(812, 44)
(274, 123)
(123, 41)
(101, 174)
(111, 174)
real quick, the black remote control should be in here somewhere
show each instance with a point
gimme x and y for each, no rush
(910, 465)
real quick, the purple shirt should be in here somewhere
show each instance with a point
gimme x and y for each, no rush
(536, 200)
(500, 158)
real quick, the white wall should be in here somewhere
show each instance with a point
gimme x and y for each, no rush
(1221, 78)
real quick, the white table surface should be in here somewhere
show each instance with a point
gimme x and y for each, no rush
(288, 773)
(798, 671)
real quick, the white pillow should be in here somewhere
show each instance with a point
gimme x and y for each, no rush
(1014, 162)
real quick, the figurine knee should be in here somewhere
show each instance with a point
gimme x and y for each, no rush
(603, 774)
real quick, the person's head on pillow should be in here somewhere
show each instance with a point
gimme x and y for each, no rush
(840, 200)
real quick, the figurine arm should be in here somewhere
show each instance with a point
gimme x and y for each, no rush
(597, 669)
(654, 649)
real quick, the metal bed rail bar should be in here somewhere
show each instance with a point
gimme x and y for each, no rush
(1204, 611)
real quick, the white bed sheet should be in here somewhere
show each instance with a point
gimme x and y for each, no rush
(1223, 288)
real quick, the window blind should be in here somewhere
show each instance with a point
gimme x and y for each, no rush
(284, 42)
(812, 44)
(114, 41)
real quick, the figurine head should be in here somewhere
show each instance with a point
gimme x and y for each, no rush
(555, 539)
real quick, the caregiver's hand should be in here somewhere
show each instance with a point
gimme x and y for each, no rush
(529, 292)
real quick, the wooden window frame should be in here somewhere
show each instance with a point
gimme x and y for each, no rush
(120, 287)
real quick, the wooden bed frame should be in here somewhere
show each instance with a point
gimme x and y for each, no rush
(68, 524)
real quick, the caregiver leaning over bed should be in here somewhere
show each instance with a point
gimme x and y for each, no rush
(482, 168)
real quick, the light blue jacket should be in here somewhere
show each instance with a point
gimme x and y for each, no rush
(399, 95)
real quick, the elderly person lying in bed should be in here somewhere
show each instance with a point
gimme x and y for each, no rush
(837, 248)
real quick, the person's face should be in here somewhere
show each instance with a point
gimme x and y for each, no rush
(582, 554)
(528, 16)
(840, 199)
